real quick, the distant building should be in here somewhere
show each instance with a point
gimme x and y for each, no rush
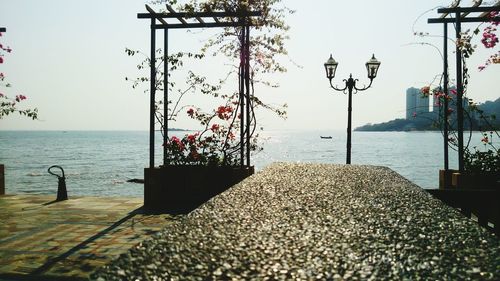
(416, 103)
(435, 104)
(411, 102)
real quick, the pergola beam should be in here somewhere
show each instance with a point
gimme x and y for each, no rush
(215, 18)
(150, 10)
(3, 29)
(494, 5)
(467, 9)
(453, 5)
(199, 25)
(476, 4)
(172, 11)
(200, 15)
(452, 20)
(200, 20)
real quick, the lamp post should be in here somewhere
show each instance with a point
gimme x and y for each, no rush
(350, 87)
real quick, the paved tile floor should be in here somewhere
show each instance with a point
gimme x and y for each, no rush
(42, 239)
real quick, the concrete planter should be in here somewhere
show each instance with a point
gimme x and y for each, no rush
(180, 189)
(445, 178)
(482, 180)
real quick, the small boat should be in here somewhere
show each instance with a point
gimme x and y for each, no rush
(326, 137)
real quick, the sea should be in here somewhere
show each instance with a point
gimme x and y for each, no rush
(99, 163)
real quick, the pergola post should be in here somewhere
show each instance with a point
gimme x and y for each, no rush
(242, 95)
(460, 93)
(247, 85)
(152, 96)
(445, 101)
(165, 96)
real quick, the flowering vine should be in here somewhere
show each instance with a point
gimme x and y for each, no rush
(476, 159)
(218, 141)
(10, 105)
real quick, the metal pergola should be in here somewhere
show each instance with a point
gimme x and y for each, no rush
(3, 29)
(458, 15)
(210, 19)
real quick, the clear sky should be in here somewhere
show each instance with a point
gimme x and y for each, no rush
(68, 58)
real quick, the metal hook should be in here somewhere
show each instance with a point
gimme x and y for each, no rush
(58, 167)
(62, 194)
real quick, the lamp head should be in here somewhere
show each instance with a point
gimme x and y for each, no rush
(330, 67)
(372, 67)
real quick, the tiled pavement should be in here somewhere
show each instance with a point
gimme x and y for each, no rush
(41, 239)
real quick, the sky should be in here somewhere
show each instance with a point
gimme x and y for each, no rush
(69, 59)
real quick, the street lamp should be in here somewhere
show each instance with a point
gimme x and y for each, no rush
(350, 84)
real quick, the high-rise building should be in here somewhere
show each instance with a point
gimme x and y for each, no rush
(416, 103)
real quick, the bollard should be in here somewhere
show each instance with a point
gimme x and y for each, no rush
(62, 194)
(2, 179)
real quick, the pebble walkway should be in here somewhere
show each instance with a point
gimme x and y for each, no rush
(316, 222)
(45, 240)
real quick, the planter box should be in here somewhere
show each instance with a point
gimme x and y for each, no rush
(445, 180)
(484, 180)
(181, 189)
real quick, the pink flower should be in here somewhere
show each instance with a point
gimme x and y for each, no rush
(20, 98)
(414, 115)
(191, 138)
(215, 128)
(425, 90)
(177, 142)
(1, 95)
(485, 139)
(1, 59)
(224, 112)
(453, 91)
(190, 112)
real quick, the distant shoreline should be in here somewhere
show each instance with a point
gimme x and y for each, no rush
(90, 130)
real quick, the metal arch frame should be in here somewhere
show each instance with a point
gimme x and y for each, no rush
(220, 19)
(460, 16)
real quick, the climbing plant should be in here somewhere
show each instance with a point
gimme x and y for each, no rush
(478, 158)
(216, 142)
(11, 105)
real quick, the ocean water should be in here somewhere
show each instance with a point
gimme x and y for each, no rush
(99, 163)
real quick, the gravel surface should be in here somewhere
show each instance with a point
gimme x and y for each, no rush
(316, 221)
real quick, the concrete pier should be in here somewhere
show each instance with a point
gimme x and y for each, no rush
(314, 221)
(41, 239)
